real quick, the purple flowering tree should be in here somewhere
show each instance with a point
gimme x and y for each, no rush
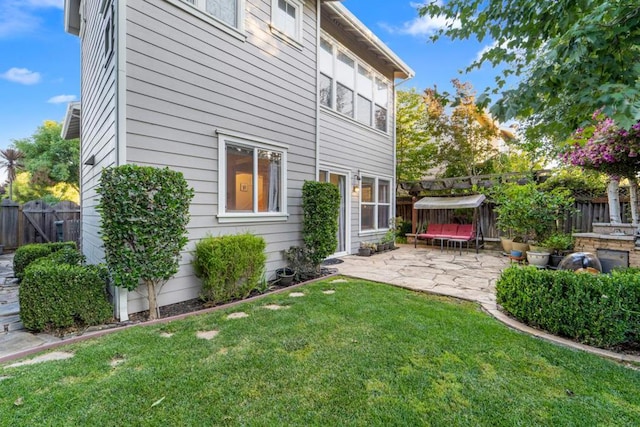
(604, 147)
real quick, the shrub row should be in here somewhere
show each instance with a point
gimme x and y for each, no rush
(56, 295)
(601, 310)
(230, 266)
(26, 254)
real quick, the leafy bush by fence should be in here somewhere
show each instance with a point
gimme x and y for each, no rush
(55, 295)
(26, 254)
(230, 266)
(601, 310)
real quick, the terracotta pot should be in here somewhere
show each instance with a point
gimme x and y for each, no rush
(522, 247)
(507, 244)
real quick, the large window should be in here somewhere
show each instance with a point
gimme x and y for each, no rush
(375, 204)
(349, 87)
(286, 18)
(227, 11)
(252, 179)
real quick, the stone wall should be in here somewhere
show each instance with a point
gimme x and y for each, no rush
(591, 242)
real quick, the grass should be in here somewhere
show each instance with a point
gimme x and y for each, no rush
(368, 355)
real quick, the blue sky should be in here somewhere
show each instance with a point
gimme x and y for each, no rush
(40, 63)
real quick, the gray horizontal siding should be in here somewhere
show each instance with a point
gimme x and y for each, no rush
(185, 79)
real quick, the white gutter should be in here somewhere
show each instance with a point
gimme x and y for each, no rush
(318, 32)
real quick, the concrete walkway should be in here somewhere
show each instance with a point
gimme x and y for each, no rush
(467, 276)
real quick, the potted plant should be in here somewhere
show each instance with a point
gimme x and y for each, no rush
(365, 249)
(285, 276)
(559, 244)
(390, 238)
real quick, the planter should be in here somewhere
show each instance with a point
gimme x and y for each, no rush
(522, 247)
(364, 252)
(285, 276)
(539, 259)
(515, 254)
(507, 244)
(554, 260)
(541, 249)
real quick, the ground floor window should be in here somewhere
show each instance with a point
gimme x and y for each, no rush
(252, 178)
(375, 203)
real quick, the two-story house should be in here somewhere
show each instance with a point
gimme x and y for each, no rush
(248, 99)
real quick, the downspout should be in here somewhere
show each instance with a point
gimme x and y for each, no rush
(121, 294)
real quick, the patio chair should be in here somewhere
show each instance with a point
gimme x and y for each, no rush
(465, 233)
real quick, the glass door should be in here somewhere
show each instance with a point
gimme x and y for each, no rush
(340, 181)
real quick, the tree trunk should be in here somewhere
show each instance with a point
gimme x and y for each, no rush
(154, 310)
(633, 200)
(614, 200)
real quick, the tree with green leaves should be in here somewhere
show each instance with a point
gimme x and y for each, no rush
(144, 212)
(415, 147)
(320, 207)
(466, 136)
(49, 158)
(11, 160)
(572, 57)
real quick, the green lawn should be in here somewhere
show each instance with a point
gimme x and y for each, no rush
(367, 355)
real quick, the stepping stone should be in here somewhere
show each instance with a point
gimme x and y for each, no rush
(329, 292)
(237, 315)
(275, 307)
(296, 294)
(165, 335)
(56, 355)
(2, 378)
(339, 281)
(207, 335)
(116, 361)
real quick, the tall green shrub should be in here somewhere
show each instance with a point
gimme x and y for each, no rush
(321, 206)
(230, 266)
(57, 295)
(601, 310)
(145, 212)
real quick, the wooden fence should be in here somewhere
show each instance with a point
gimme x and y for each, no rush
(588, 211)
(38, 222)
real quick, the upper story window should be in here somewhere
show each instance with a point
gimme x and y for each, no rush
(286, 18)
(108, 29)
(227, 11)
(351, 88)
(252, 179)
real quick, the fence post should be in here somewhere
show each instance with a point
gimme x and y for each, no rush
(414, 215)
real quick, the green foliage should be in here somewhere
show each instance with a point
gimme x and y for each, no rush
(576, 179)
(321, 206)
(26, 254)
(300, 261)
(56, 296)
(601, 310)
(526, 212)
(571, 57)
(49, 158)
(558, 242)
(415, 149)
(66, 255)
(230, 266)
(145, 212)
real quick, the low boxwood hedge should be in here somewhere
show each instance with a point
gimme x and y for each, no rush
(56, 296)
(26, 254)
(230, 266)
(601, 310)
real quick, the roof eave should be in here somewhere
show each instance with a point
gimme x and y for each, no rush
(72, 16)
(402, 70)
(71, 124)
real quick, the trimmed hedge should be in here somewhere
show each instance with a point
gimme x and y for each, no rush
(320, 207)
(26, 254)
(56, 296)
(230, 266)
(601, 310)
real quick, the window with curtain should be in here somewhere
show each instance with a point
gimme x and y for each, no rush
(252, 179)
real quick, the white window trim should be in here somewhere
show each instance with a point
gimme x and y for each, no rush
(236, 138)
(377, 178)
(237, 32)
(374, 74)
(296, 40)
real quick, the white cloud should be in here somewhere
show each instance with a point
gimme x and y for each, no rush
(61, 99)
(20, 17)
(422, 25)
(22, 76)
